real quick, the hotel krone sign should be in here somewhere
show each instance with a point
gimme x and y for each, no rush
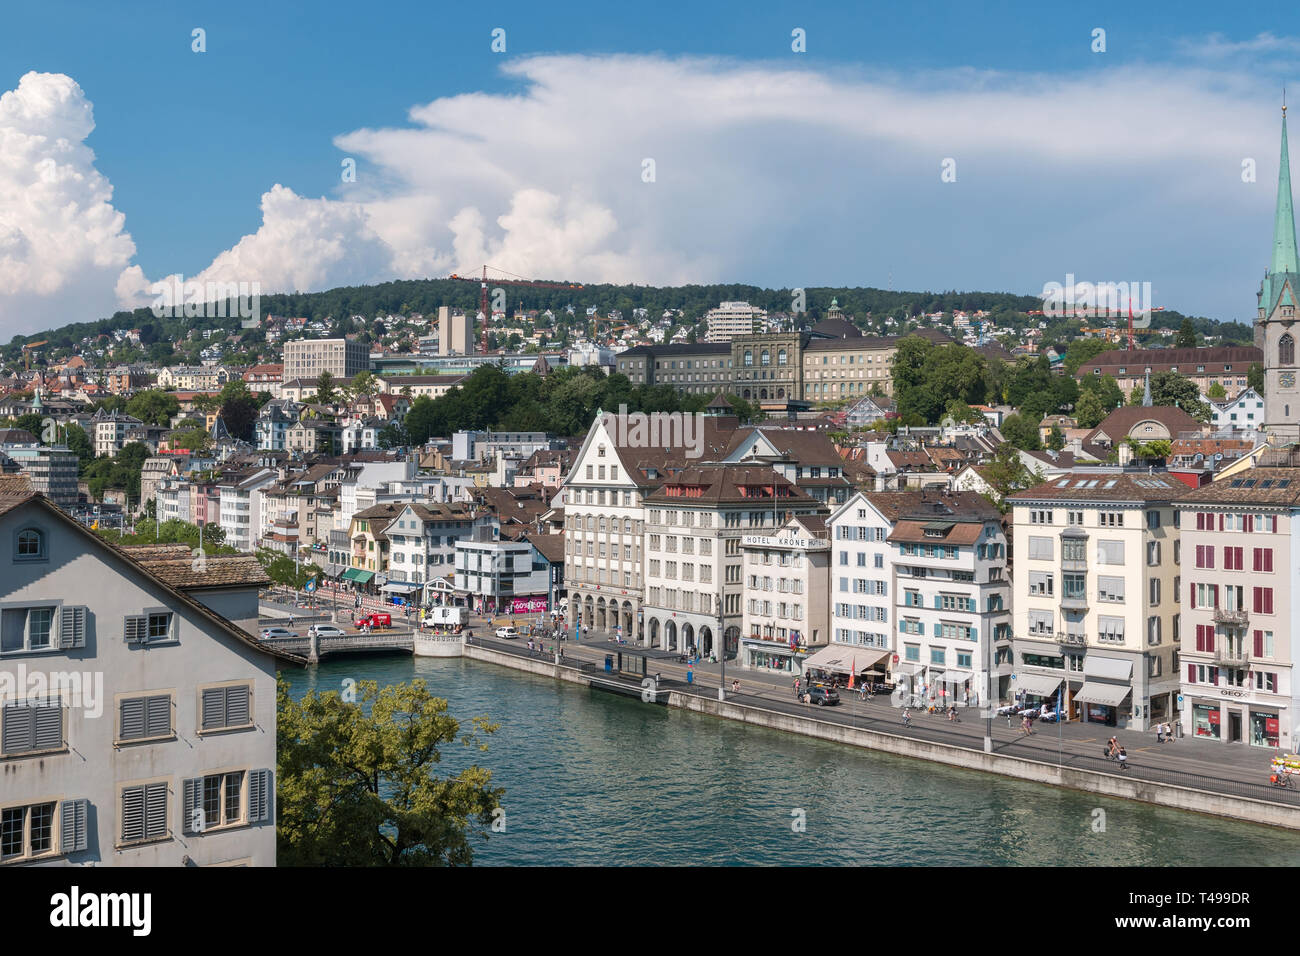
(803, 544)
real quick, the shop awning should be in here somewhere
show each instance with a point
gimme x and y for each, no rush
(907, 667)
(351, 574)
(956, 677)
(1095, 692)
(1038, 685)
(842, 657)
(1108, 668)
(359, 576)
(402, 587)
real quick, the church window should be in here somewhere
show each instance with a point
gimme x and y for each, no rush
(1286, 350)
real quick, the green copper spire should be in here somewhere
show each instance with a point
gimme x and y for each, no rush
(1284, 248)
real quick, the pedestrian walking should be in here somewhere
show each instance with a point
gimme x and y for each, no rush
(796, 687)
(1160, 733)
(1169, 732)
(907, 717)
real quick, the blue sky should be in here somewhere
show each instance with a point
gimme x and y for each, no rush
(777, 168)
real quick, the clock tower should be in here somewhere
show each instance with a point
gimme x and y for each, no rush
(1276, 326)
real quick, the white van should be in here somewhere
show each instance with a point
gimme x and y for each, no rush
(444, 617)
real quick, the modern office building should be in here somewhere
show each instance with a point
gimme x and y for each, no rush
(732, 319)
(455, 332)
(308, 358)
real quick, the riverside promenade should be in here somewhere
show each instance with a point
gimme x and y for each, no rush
(1210, 777)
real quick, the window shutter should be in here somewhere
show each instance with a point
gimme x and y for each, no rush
(49, 726)
(1191, 673)
(17, 728)
(158, 716)
(72, 825)
(1259, 643)
(261, 796)
(132, 718)
(237, 705)
(133, 814)
(135, 629)
(214, 708)
(191, 789)
(72, 626)
(156, 810)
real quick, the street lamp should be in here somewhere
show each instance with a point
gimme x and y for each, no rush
(722, 637)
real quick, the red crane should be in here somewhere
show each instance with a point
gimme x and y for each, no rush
(513, 280)
(1087, 313)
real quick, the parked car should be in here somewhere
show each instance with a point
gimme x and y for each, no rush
(378, 619)
(823, 695)
(324, 630)
(506, 633)
(269, 632)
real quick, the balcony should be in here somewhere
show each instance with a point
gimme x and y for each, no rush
(1075, 640)
(1231, 618)
(1074, 602)
(1232, 656)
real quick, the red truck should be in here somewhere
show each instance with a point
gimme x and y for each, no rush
(378, 619)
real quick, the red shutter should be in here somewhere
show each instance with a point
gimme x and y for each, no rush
(1214, 595)
(1191, 673)
(1257, 562)
(1209, 638)
(1268, 600)
(1220, 520)
(1256, 600)
(1191, 590)
(1250, 522)
(1259, 643)
(1268, 559)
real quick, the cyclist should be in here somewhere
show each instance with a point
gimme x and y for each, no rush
(907, 717)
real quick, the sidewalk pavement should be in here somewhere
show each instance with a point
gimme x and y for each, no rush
(1048, 742)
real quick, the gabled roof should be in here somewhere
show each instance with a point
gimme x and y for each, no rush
(11, 501)
(1120, 423)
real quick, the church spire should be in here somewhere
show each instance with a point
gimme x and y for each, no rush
(1284, 245)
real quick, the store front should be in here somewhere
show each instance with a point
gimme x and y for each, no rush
(1029, 689)
(1106, 694)
(1206, 721)
(844, 659)
(768, 655)
(1265, 728)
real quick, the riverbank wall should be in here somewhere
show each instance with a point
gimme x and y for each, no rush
(1088, 781)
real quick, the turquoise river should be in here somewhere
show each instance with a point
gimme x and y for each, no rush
(592, 778)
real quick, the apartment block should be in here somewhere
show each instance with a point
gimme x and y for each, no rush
(150, 739)
(786, 597)
(1096, 595)
(1239, 634)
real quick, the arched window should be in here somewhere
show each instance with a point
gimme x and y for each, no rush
(749, 357)
(591, 523)
(1286, 350)
(780, 357)
(602, 524)
(766, 358)
(627, 525)
(31, 544)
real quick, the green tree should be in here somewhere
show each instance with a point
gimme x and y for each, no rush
(1083, 350)
(193, 439)
(326, 390)
(1186, 336)
(1171, 388)
(153, 407)
(1056, 438)
(1089, 411)
(31, 422)
(1021, 433)
(1216, 392)
(79, 441)
(356, 785)
(1006, 473)
(238, 409)
(1255, 377)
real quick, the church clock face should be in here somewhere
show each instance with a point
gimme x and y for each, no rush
(1286, 379)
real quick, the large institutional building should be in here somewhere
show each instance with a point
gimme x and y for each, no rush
(307, 358)
(832, 361)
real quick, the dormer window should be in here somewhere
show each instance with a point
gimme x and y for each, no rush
(30, 545)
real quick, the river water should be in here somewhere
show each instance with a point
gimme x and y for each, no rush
(597, 779)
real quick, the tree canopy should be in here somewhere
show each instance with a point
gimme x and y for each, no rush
(356, 785)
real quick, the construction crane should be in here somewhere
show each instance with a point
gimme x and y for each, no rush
(1092, 313)
(513, 280)
(27, 352)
